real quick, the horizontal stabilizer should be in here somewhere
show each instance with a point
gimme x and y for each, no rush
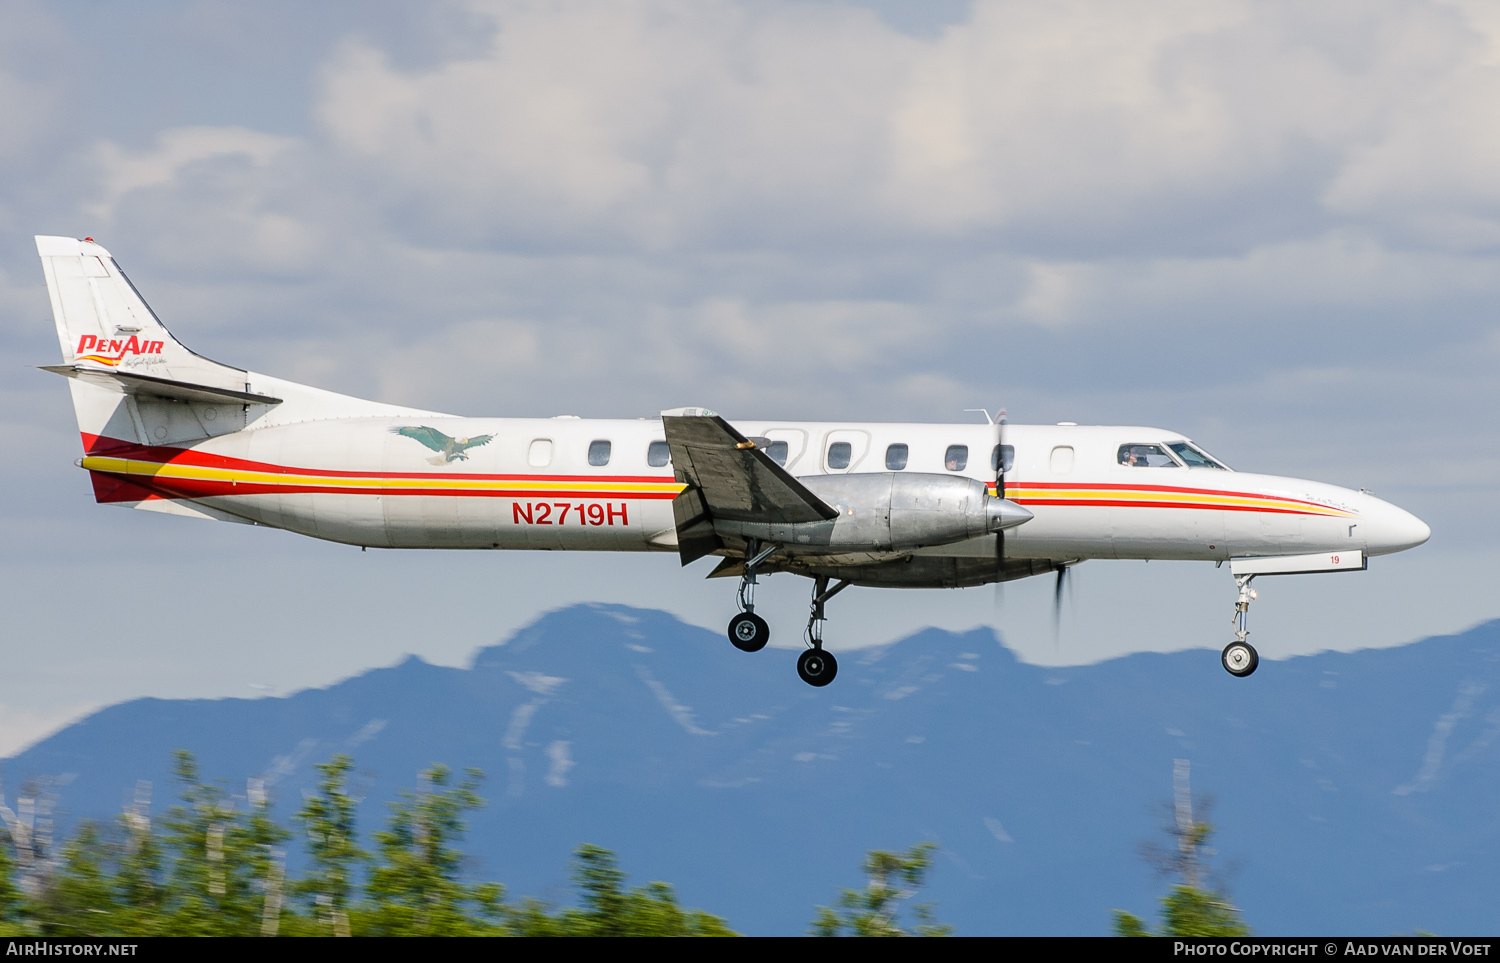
(138, 384)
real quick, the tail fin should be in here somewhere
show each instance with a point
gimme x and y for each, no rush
(105, 326)
(135, 384)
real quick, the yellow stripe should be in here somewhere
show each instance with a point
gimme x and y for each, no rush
(1177, 498)
(121, 466)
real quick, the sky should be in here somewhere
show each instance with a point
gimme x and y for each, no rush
(1273, 226)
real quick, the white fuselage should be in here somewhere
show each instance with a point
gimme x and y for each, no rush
(531, 486)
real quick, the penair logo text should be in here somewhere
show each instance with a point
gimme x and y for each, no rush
(111, 351)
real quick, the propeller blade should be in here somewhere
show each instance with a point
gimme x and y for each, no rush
(1057, 597)
(999, 457)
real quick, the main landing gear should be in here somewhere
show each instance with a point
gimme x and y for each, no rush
(1239, 657)
(815, 666)
(749, 632)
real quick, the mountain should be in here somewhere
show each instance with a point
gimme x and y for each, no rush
(1355, 791)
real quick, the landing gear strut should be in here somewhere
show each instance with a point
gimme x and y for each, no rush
(815, 666)
(1239, 657)
(748, 631)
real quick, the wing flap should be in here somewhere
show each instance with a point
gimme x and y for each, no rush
(736, 481)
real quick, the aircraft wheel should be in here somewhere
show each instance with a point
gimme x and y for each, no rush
(749, 632)
(1239, 658)
(817, 667)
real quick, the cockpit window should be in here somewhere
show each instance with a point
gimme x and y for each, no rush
(1194, 457)
(1146, 456)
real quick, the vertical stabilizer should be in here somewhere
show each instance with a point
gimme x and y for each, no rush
(132, 382)
(104, 324)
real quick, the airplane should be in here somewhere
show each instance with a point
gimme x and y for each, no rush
(889, 505)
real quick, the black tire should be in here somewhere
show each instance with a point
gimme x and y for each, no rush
(1240, 659)
(749, 632)
(817, 667)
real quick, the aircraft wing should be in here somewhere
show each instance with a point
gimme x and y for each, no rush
(728, 477)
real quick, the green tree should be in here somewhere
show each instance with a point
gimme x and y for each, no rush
(333, 846)
(222, 865)
(141, 893)
(415, 888)
(608, 909)
(106, 884)
(79, 899)
(13, 904)
(876, 909)
(1193, 906)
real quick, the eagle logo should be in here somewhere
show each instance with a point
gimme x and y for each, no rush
(448, 449)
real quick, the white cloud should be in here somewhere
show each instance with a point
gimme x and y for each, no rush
(124, 171)
(1268, 224)
(21, 727)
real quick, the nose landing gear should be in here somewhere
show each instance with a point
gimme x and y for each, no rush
(1239, 657)
(815, 666)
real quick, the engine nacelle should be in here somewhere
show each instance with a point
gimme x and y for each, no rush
(888, 512)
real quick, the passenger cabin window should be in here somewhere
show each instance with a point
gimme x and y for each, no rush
(539, 455)
(895, 458)
(599, 453)
(956, 458)
(1009, 454)
(839, 454)
(1146, 456)
(1194, 457)
(658, 454)
(777, 451)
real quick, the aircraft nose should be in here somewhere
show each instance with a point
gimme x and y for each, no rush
(1392, 529)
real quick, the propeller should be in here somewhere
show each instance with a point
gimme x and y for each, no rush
(1057, 599)
(999, 457)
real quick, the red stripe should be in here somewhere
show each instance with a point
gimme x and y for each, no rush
(204, 488)
(162, 455)
(1217, 492)
(1112, 503)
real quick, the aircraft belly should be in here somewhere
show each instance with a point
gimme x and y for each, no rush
(436, 521)
(1063, 531)
(1168, 533)
(426, 521)
(1264, 533)
(1330, 534)
(587, 525)
(353, 519)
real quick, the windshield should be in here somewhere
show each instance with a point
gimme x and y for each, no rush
(1195, 457)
